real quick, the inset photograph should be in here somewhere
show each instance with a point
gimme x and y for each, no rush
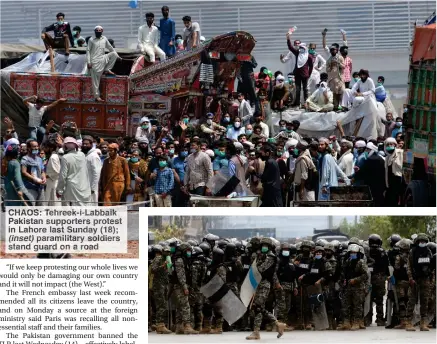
(223, 278)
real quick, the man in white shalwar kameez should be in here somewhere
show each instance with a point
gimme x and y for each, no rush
(322, 99)
(73, 186)
(98, 61)
(53, 168)
(148, 39)
(346, 160)
(330, 172)
(318, 65)
(94, 165)
(362, 89)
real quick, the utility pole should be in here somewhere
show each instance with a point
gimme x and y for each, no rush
(331, 222)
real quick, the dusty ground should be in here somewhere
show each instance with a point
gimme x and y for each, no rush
(133, 248)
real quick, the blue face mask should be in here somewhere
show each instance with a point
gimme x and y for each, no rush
(134, 160)
(286, 253)
(422, 244)
(399, 124)
(249, 132)
(353, 256)
(35, 151)
(60, 22)
(318, 256)
(171, 151)
(226, 119)
(184, 154)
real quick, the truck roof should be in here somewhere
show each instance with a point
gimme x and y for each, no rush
(424, 43)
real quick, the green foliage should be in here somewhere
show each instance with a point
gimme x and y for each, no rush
(385, 226)
(168, 232)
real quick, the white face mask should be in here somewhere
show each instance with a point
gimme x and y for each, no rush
(209, 121)
(237, 124)
(286, 253)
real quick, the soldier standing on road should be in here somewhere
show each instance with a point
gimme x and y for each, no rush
(266, 265)
(330, 286)
(419, 271)
(401, 277)
(216, 267)
(379, 272)
(302, 264)
(180, 282)
(287, 277)
(198, 270)
(160, 281)
(355, 276)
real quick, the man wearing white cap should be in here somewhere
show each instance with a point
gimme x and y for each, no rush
(98, 61)
(148, 39)
(322, 99)
(280, 94)
(359, 153)
(73, 185)
(346, 160)
(144, 129)
(393, 172)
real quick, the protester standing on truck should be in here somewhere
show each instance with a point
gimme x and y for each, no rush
(148, 39)
(167, 33)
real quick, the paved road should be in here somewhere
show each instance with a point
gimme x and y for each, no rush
(371, 334)
(132, 226)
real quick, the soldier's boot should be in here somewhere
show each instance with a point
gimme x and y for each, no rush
(380, 322)
(330, 322)
(361, 324)
(346, 326)
(161, 329)
(423, 325)
(179, 329)
(198, 326)
(280, 328)
(218, 329)
(189, 330)
(206, 329)
(401, 326)
(254, 336)
(409, 326)
(153, 327)
(355, 326)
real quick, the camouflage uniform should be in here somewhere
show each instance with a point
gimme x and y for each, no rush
(208, 308)
(402, 286)
(195, 297)
(183, 305)
(379, 273)
(421, 274)
(331, 293)
(354, 294)
(159, 287)
(264, 263)
(302, 306)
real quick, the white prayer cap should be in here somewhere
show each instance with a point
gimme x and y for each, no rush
(202, 39)
(210, 153)
(360, 144)
(238, 146)
(324, 140)
(371, 146)
(291, 143)
(144, 119)
(390, 140)
(12, 141)
(280, 77)
(302, 45)
(98, 27)
(70, 140)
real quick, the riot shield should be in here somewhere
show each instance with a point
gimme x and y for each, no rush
(248, 288)
(318, 308)
(368, 299)
(389, 311)
(219, 294)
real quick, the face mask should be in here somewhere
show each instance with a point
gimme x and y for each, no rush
(192, 150)
(330, 145)
(162, 163)
(249, 132)
(60, 22)
(185, 120)
(422, 244)
(295, 151)
(99, 34)
(74, 32)
(356, 79)
(379, 83)
(290, 80)
(390, 149)
(227, 119)
(399, 124)
(171, 152)
(366, 154)
(221, 154)
(184, 154)
(264, 249)
(35, 151)
(364, 79)
(134, 160)
(286, 253)
(278, 153)
(237, 124)
(312, 51)
(188, 254)
(318, 256)
(172, 249)
(353, 256)
(355, 151)
(209, 121)
(145, 126)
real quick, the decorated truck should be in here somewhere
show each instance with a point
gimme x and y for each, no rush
(164, 90)
(419, 121)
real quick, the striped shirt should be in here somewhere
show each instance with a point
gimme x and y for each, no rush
(199, 170)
